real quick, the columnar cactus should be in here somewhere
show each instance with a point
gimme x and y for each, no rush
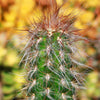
(48, 56)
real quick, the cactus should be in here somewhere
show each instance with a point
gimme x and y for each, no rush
(52, 71)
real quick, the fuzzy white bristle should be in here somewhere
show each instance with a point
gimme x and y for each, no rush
(34, 82)
(50, 34)
(63, 82)
(48, 63)
(62, 68)
(36, 54)
(61, 55)
(48, 50)
(47, 91)
(38, 41)
(63, 96)
(59, 40)
(47, 77)
(35, 68)
(33, 97)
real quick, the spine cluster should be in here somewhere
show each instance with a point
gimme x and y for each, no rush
(52, 71)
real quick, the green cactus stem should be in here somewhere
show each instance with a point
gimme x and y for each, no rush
(52, 71)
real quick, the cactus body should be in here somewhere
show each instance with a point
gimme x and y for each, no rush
(48, 56)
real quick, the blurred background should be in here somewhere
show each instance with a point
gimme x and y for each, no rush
(15, 14)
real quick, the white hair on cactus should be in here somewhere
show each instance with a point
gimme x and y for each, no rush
(61, 54)
(48, 63)
(62, 68)
(48, 50)
(47, 77)
(33, 97)
(63, 82)
(59, 41)
(47, 91)
(37, 42)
